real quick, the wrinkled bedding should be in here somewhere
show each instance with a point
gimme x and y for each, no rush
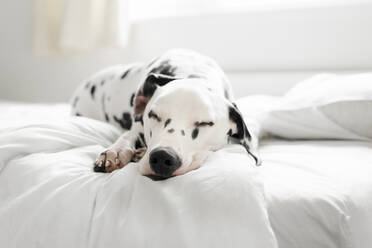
(315, 193)
(319, 192)
(50, 197)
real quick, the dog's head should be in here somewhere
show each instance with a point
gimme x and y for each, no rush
(183, 123)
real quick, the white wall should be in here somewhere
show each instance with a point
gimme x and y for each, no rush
(26, 77)
(318, 38)
(263, 52)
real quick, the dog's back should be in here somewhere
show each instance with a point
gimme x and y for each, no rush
(109, 94)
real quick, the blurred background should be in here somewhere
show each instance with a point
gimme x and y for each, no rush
(47, 47)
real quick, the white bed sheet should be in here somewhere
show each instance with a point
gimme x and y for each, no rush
(50, 196)
(319, 192)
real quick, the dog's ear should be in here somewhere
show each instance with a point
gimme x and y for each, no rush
(239, 134)
(142, 97)
(153, 81)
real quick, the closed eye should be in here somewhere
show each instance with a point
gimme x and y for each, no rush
(153, 115)
(203, 123)
(195, 132)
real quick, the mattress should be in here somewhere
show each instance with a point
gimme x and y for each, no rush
(318, 193)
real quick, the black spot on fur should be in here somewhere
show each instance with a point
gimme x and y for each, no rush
(164, 68)
(183, 132)
(203, 123)
(236, 117)
(152, 114)
(167, 122)
(74, 103)
(125, 122)
(242, 136)
(150, 134)
(149, 87)
(158, 76)
(142, 136)
(107, 117)
(195, 133)
(102, 82)
(171, 130)
(78, 114)
(138, 143)
(153, 81)
(131, 102)
(125, 74)
(139, 118)
(93, 91)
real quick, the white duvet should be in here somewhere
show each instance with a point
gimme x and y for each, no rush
(50, 197)
(317, 193)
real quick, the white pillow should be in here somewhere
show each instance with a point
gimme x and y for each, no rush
(254, 109)
(326, 106)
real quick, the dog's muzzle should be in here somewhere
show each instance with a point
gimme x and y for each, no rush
(164, 161)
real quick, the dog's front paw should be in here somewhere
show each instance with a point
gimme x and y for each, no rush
(112, 159)
(138, 154)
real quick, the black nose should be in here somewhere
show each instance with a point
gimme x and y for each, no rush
(164, 161)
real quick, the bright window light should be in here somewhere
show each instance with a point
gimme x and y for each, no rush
(145, 9)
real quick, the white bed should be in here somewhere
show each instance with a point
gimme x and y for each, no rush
(318, 193)
(50, 197)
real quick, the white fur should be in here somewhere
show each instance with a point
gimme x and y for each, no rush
(111, 98)
(186, 102)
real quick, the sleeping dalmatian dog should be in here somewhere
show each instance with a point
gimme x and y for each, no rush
(174, 111)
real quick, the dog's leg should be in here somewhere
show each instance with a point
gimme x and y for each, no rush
(121, 152)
